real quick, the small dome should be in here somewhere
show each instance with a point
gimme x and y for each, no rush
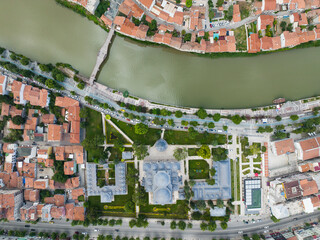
(161, 145)
(162, 196)
(161, 179)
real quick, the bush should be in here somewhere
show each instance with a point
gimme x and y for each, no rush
(294, 117)
(201, 113)
(81, 85)
(18, 120)
(204, 152)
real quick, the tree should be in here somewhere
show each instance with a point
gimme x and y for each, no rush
(225, 128)
(224, 225)
(178, 114)
(220, 203)
(294, 117)
(125, 94)
(212, 226)
(211, 181)
(278, 118)
(283, 25)
(153, 25)
(129, 207)
(192, 133)
(188, 3)
(24, 61)
(203, 226)
(18, 120)
(204, 152)
(102, 8)
(182, 225)
(140, 129)
(173, 225)
(201, 204)
(171, 122)
(216, 117)
(141, 151)
(236, 119)
(189, 225)
(211, 125)
(81, 85)
(132, 223)
(290, 27)
(201, 113)
(180, 153)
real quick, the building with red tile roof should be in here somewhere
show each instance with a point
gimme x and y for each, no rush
(11, 125)
(308, 187)
(17, 89)
(264, 21)
(306, 36)
(289, 39)
(74, 212)
(57, 212)
(176, 42)
(269, 5)
(41, 184)
(5, 109)
(54, 132)
(29, 181)
(28, 212)
(9, 147)
(148, 4)
(36, 96)
(10, 203)
(283, 146)
(75, 193)
(48, 118)
(142, 31)
(119, 20)
(107, 21)
(167, 38)
(177, 18)
(308, 148)
(297, 4)
(158, 38)
(31, 124)
(66, 102)
(32, 195)
(254, 43)
(72, 183)
(312, 4)
(236, 13)
(69, 168)
(60, 153)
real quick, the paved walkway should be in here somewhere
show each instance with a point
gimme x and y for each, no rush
(120, 131)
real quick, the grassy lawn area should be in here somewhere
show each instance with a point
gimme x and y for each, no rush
(244, 159)
(174, 211)
(113, 135)
(101, 173)
(193, 151)
(258, 158)
(232, 178)
(244, 166)
(148, 139)
(115, 154)
(94, 127)
(198, 169)
(257, 166)
(183, 138)
(241, 38)
(246, 172)
(238, 182)
(115, 208)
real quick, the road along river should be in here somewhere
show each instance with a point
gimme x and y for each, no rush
(47, 32)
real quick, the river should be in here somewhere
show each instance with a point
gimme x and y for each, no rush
(47, 32)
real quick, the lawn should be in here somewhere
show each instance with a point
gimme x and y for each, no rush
(246, 172)
(173, 211)
(245, 166)
(115, 154)
(238, 182)
(241, 38)
(147, 139)
(101, 173)
(113, 135)
(114, 208)
(193, 151)
(94, 127)
(232, 178)
(257, 166)
(183, 138)
(198, 169)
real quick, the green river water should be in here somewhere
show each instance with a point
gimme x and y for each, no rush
(47, 32)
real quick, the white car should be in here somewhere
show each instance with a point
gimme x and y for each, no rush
(96, 230)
